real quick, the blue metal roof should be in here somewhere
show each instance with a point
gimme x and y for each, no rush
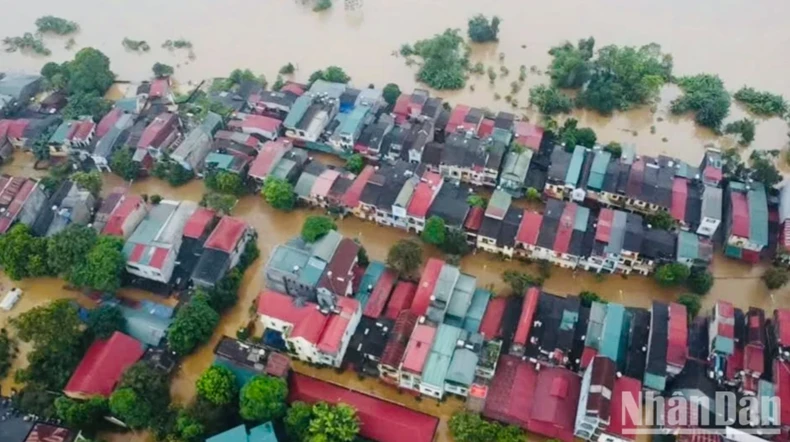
(369, 280)
(575, 167)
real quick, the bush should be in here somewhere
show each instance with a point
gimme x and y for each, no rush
(279, 193)
(287, 69)
(405, 257)
(481, 30)
(56, 25)
(587, 298)
(661, 220)
(705, 95)
(445, 60)
(332, 74)
(762, 103)
(122, 164)
(775, 277)
(700, 281)
(162, 70)
(570, 66)
(672, 274)
(744, 127)
(355, 163)
(549, 100)
(322, 5)
(692, 302)
(315, 227)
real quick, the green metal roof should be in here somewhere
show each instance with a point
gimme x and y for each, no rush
(312, 273)
(569, 319)
(354, 120)
(612, 332)
(369, 280)
(287, 258)
(298, 110)
(236, 434)
(462, 367)
(462, 296)
(502, 135)
(325, 247)
(655, 381)
(476, 310)
(595, 325)
(438, 362)
(305, 184)
(598, 169)
(498, 204)
(688, 245)
(143, 326)
(582, 218)
(222, 161)
(516, 167)
(283, 168)
(758, 215)
(575, 167)
(59, 137)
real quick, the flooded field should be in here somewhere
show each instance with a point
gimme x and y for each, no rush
(744, 44)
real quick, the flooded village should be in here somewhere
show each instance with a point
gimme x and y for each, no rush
(268, 136)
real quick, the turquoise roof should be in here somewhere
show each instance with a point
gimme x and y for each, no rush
(127, 104)
(461, 298)
(758, 215)
(462, 367)
(595, 325)
(598, 169)
(148, 328)
(261, 433)
(59, 137)
(723, 345)
(502, 135)
(236, 434)
(688, 246)
(311, 274)
(222, 161)
(369, 280)
(354, 120)
(438, 362)
(298, 109)
(477, 310)
(655, 382)
(286, 258)
(575, 167)
(611, 342)
(582, 217)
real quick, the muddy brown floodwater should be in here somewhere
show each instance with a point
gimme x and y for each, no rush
(746, 45)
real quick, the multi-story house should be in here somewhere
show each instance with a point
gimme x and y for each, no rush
(721, 334)
(710, 216)
(312, 112)
(566, 234)
(160, 134)
(514, 171)
(389, 364)
(421, 200)
(656, 366)
(416, 355)
(746, 223)
(677, 339)
(618, 242)
(222, 251)
(527, 235)
(123, 220)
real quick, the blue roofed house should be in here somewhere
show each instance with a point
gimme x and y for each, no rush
(693, 250)
(514, 171)
(462, 371)
(597, 176)
(147, 322)
(261, 433)
(369, 280)
(434, 373)
(614, 338)
(460, 300)
(477, 309)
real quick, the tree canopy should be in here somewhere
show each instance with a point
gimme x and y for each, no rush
(391, 93)
(90, 181)
(102, 267)
(775, 277)
(570, 65)
(405, 257)
(482, 30)
(587, 298)
(519, 282)
(672, 274)
(68, 247)
(550, 100)
(89, 72)
(469, 427)
(262, 399)
(445, 60)
(744, 127)
(706, 97)
(316, 226)
(571, 135)
(221, 202)
(355, 163)
(700, 281)
(762, 103)
(435, 231)
(141, 397)
(279, 193)
(332, 74)
(333, 423)
(297, 421)
(661, 220)
(162, 70)
(105, 320)
(692, 302)
(217, 385)
(23, 255)
(193, 325)
(122, 164)
(85, 415)
(224, 182)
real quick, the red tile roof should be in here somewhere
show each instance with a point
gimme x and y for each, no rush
(418, 348)
(108, 121)
(528, 135)
(565, 229)
(679, 197)
(308, 321)
(381, 421)
(351, 198)
(554, 414)
(264, 162)
(492, 319)
(197, 223)
(528, 310)
(782, 324)
(622, 423)
(16, 129)
(12, 211)
(782, 384)
(423, 195)
(486, 128)
(740, 215)
(42, 432)
(341, 265)
(380, 294)
(159, 87)
(293, 88)
(457, 117)
(251, 122)
(396, 344)
(422, 298)
(712, 173)
(734, 363)
(511, 391)
(332, 336)
(159, 257)
(474, 219)
(401, 108)
(103, 364)
(677, 337)
(754, 359)
(227, 234)
(529, 228)
(82, 130)
(401, 299)
(156, 132)
(604, 229)
(114, 226)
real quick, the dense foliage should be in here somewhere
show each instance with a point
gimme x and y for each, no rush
(672, 274)
(706, 97)
(587, 298)
(85, 415)
(445, 60)
(223, 203)
(550, 100)
(224, 182)
(316, 226)
(338, 423)
(571, 135)
(476, 201)
(142, 396)
(193, 325)
(776, 277)
(90, 181)
(391, 92)
(519, 282)
(481, 30)
(405, 257)
(56, 25)
(235, 79)
(468, 427)
(661, 220)
(692, 302)
(8, 351)
(122, 164)
(434, 231)
(279, 193)
(355, 163)
(332, 74)
(297, 421)
(136, 45)
(102, 267)
(744, 127)
(217, 385)
(761, 103)
(570, 65)
(162, 70)
(262, 399)
(85, 79)
(700, 281)
(22, 255)
(176, 175)
(761, 167)
(105, 320)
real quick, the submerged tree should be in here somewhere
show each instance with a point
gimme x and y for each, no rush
(482, 30)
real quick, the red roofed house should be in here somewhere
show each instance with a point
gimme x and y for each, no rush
(125, 217)
(492, 319)
(401, 299)
(380, 420)
(781, 372)
(160, 89)
(486, 128)
(721, 332)
(456, 120)
(270, 154)
(554, 412)
(264, 128)
(200, 224)
(380, 294)
(103, 365)
(528, 135)
(601, 415)
(529, 307)
(430, 274)
(409, 106)
(472, 224)
(222, 251)
(312, 334)
(160, 134)
(677, 339)
(389, 364)
(679, 198)
(754, 351)
(350, 199)
(108, 122)
(16, 132)
(562, 240)
(511, 392)
(21, 200)
(781, 326)
(421, 200)
(339, 275)
(415, 356)
(528, 232)
(6, 148)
